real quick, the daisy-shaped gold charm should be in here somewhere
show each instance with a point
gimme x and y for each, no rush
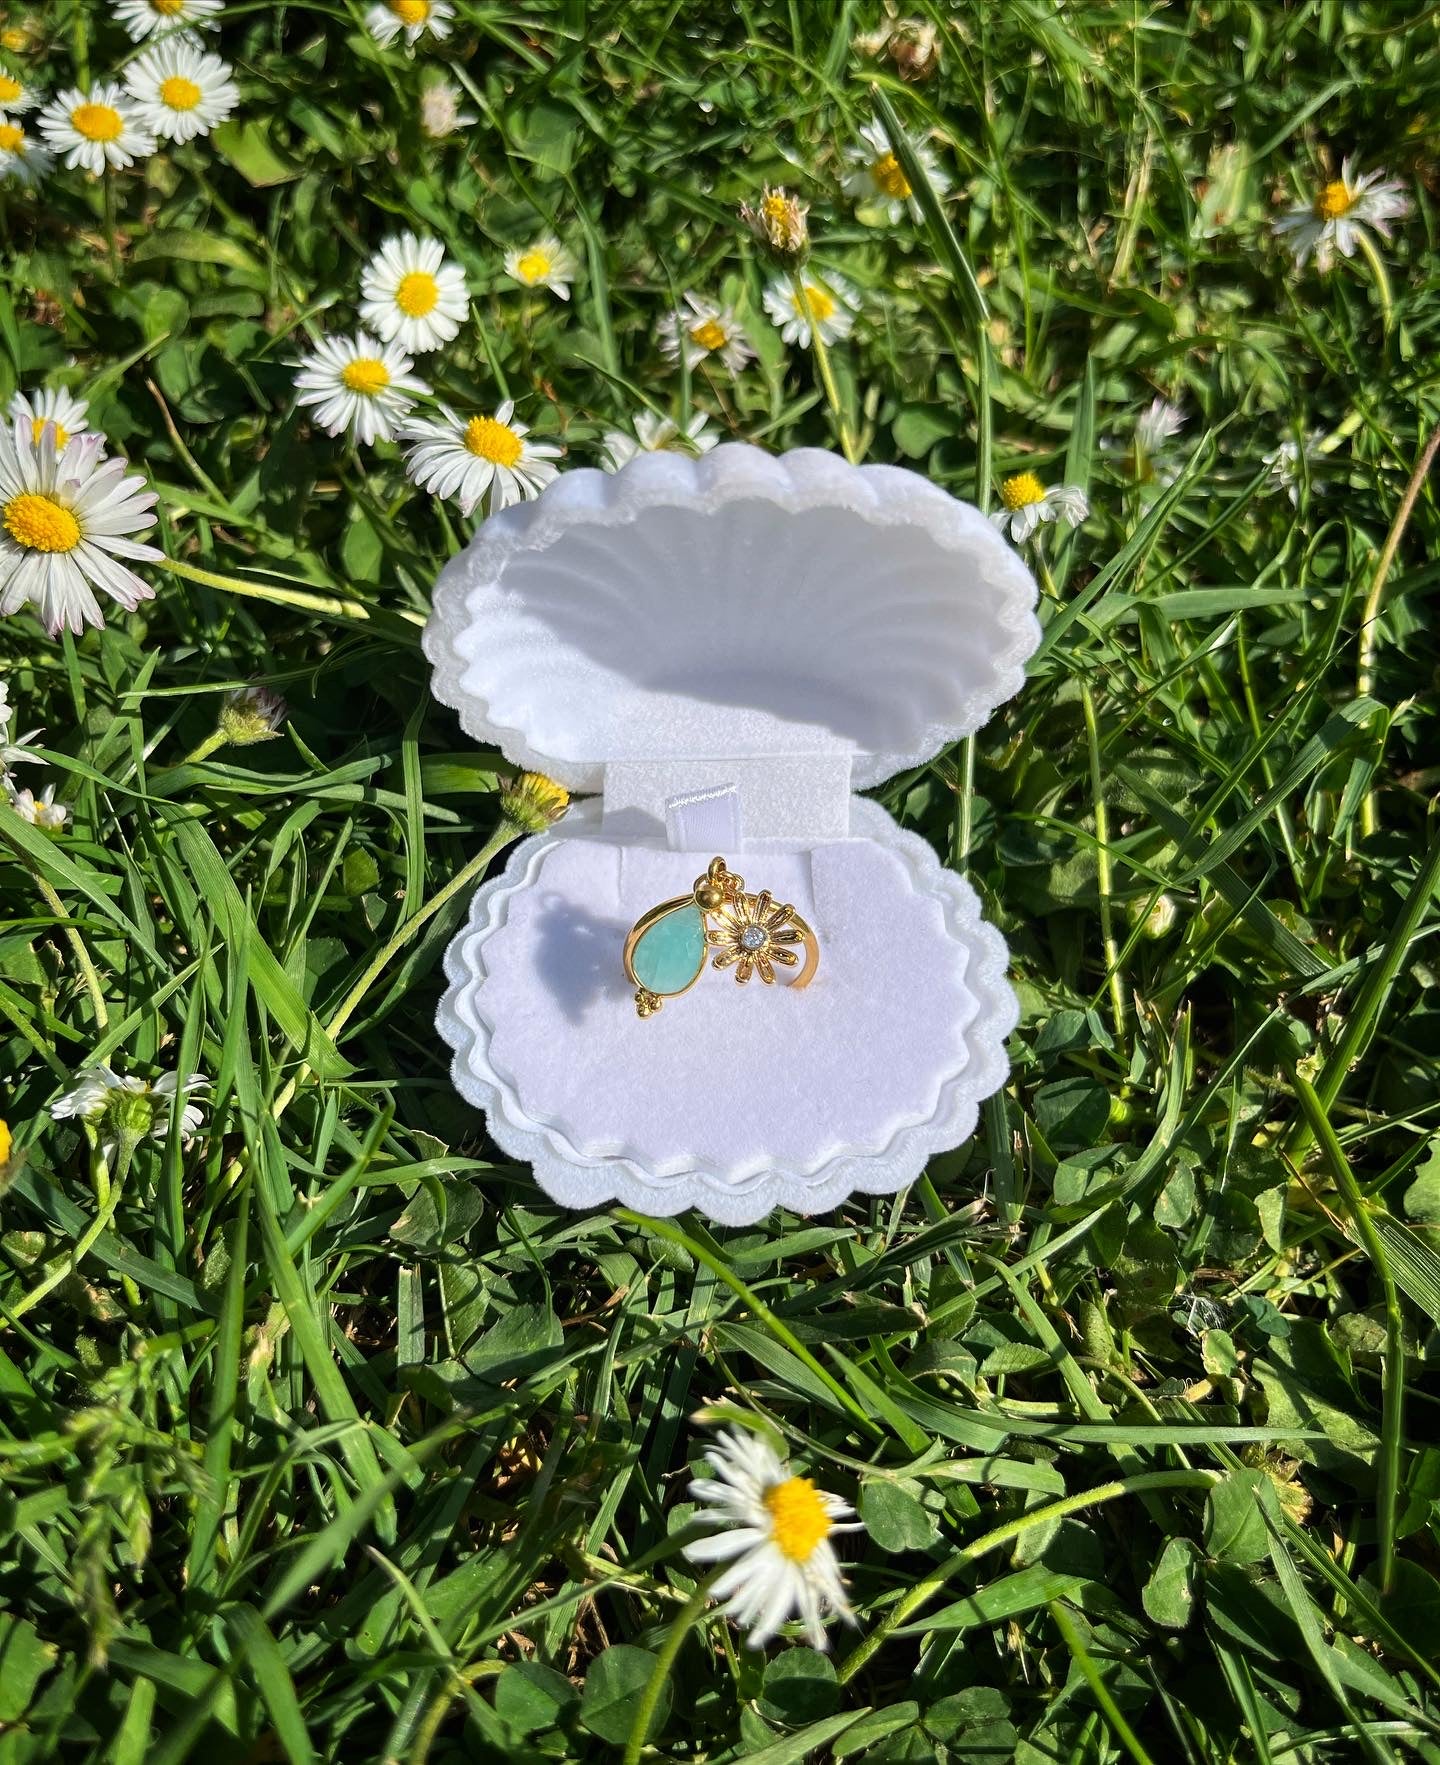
(754, 933)
(666, 949)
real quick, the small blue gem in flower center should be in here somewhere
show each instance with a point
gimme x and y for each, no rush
(754, 937)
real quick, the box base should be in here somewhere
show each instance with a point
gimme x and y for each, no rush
(731, 1099)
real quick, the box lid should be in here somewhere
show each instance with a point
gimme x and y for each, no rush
(738, 604)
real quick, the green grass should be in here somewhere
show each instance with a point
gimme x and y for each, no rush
(338, 1442)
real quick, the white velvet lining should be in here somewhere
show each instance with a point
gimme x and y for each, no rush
(789, 797)
(744, 603)
(734, 1099)
(709, 818)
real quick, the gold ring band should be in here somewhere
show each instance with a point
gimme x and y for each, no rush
(666, 948)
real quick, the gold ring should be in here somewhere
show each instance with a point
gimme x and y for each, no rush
(753, 934)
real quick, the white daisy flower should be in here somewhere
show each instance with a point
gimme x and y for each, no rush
(876, 175)
(1027, 504)
(1290, 464)
(65, 522)
(16, 97)
(358, 383)
(180, 92)
(656, 435)
(16, 751)
(96, 129)
(1339, 215)
(1144, 457)
(828, 303)
(54, 404)
(775, 1538)
(21, 156)
(1157, 425)
(415, 17)
(706, 329)
(144, 17)
(463, 459)
(545, 264)
(139, 1107)
(411, 294)
(440, 112)
(42, 811)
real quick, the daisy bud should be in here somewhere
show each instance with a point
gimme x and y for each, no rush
(779, 225)
(128, 1115)
(251, 714)
(915, 49)
(913, 44)
(533, 802)
(440, 112)
(1160, 918)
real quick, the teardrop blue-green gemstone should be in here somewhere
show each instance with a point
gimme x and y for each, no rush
(671, 954)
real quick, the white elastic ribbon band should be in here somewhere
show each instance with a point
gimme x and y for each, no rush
(704, 821)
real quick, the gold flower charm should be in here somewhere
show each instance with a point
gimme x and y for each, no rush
(666, 949)
(753, 935)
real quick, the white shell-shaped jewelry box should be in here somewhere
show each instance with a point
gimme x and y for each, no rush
(796, 629)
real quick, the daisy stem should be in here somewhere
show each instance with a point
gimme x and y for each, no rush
(1381, 278)
(283, 597)
(1103, 877)
(1370, 618)
(77, 945)
(825, 370)
(664, 1661)
(203, 750)
(502, 836)
(478, 865)
(108, 183)
(100, 1177)
(67, 1265)
(780, 1330)
(80, 46)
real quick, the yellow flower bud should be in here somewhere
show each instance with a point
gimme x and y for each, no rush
(533, 802)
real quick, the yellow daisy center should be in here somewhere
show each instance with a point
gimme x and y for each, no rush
(1022, 490)
(798, 1521)
(818, 305)
(709, 334)
(37, 426)
(489, 440)
(14, 40)
(417, 294)
(97, 122)
(411, 12)
(889, 177)
(12, 137)
(40, 523)
(1333, 201)
(10, 89)
(533, 266)
(366, 375)
(179, 93)
(776, 209)
(167, 8)
(4, 1142)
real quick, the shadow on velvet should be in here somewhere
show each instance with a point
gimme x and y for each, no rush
(580, 957)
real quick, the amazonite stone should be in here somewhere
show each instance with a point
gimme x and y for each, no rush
(671, 954)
